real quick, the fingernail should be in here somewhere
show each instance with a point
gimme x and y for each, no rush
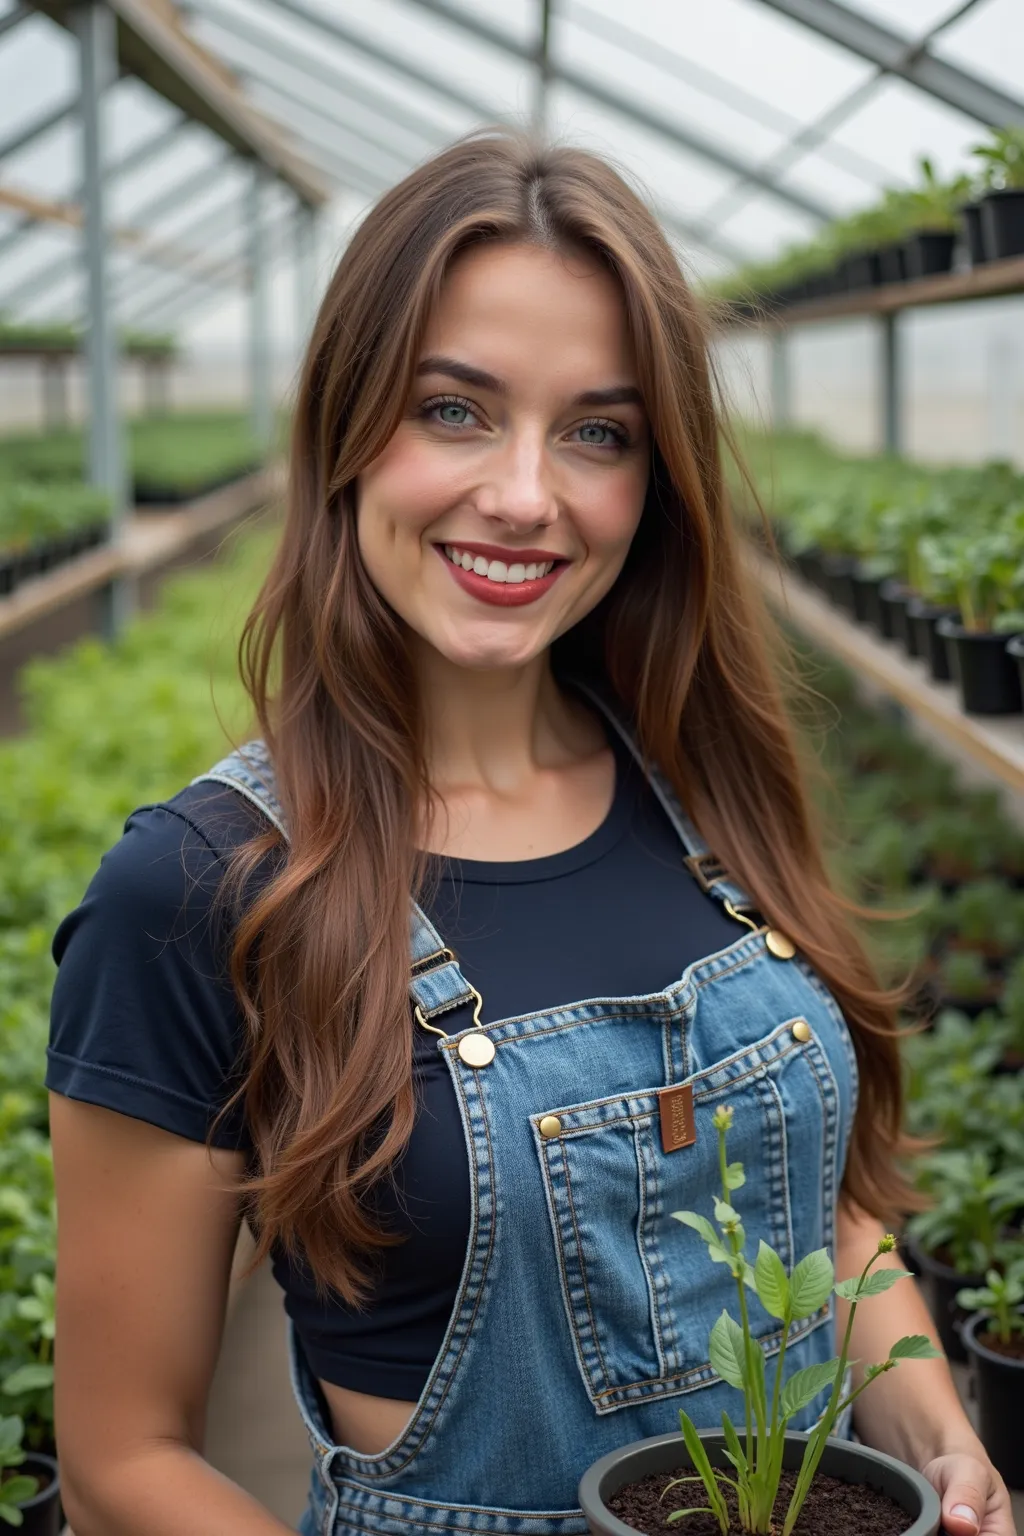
(964, 1512)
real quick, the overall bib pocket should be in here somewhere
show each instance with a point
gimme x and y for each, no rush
(639, 1289)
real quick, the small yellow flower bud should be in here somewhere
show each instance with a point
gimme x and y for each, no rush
(887, 1243)
(722, 1117)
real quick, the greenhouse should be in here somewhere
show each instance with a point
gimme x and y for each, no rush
(512, 762)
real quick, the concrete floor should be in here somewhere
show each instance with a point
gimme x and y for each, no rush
(255, 1435)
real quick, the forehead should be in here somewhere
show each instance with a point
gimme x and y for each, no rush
(515, 307)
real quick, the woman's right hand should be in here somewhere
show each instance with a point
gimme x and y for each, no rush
(145, 1239)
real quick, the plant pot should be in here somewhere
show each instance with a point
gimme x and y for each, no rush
(853, 1464)
(42, 1513)
(1002, 223)
(865, 595)
(974, 234)
(987, 675)
(929, 252)
(939, 1284)
(891, 263)
(838, 571)
(922, 618)
(895, 596)
(863, 270)
(1015, 650)
(999, 1393)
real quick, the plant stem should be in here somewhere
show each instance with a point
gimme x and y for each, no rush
(726, 1196)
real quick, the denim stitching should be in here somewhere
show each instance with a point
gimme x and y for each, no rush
(554, 1219)
(368, 1507)
(780, 1212)
(596, 1342)
(649, 1250)
(828, 1092)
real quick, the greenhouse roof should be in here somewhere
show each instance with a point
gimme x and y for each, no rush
(748, 122)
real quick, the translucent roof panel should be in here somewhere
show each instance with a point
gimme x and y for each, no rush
(745, 128)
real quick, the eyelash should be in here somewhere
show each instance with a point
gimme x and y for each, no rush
(618, 432)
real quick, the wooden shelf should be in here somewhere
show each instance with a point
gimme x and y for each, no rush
(995, 279)
(149, 540)
(993, 744)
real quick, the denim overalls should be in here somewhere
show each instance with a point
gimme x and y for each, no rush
(583, 1313)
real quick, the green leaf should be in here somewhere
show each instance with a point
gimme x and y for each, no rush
(880, 1280)
(10, 1514)
(848, 1289)
(803, 1386)
(718, 1255)
(726, 1215)
(699, 1224)
(915, 1346)
(735, 1178)
(680, 1514)
(810, 1284)
(17, 1489)
(873, 1371)
(28, 1378)
(771, 1281)
(727, 1351)
(732, 1440)
(699, 1457)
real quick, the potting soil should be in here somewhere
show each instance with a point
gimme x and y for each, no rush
(832, 1508)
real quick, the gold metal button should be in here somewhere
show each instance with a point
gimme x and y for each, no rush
(476, 1050)
(801, 1031)
(550, 1126)
(779, 944)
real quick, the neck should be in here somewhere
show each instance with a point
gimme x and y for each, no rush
(493, 730)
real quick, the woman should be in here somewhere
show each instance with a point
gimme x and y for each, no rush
(504, 642)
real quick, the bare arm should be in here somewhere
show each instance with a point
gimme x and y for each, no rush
(145, 1242)
(914, 1412)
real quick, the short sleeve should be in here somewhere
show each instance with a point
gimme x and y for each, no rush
(143, 1016)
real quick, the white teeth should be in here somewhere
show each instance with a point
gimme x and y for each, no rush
(497, 570)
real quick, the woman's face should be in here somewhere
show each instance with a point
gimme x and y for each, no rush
(502, 508)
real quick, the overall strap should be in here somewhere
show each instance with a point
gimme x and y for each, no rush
(703, 865)
(436, 983)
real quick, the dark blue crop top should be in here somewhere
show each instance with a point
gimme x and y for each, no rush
(144, 1020)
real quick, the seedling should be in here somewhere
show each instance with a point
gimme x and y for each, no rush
(1001, 1295)
(17, 1487)
(739, 1360)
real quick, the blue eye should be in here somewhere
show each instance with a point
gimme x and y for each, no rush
(448, 411)
(602, 434)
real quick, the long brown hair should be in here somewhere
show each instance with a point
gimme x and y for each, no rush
(321, 955)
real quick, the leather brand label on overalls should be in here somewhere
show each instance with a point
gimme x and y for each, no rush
(678, 1127)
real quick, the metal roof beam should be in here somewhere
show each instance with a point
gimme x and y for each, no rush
(617, 101)
(331, 27)
(153, 45)
(898, 55)
(280, 52)
(403, 157)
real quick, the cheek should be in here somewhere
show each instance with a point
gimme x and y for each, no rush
(402, 491)
(612, 516)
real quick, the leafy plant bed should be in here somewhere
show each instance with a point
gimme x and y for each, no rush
(860, 1492)
(151, 493)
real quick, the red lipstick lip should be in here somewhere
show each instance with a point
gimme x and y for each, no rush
(500, 552)
(500, 594)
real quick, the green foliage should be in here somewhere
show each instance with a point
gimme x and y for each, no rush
(42, 335)
(110, 727)
(973, 1199)
(1002, 159)
(738, 1359)
(15, 1488)
(1000, 1296)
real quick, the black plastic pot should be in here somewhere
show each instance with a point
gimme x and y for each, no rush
(151, 493)
(928, 252)
(1002, 222)
(939, 1284)
(891, 264)
(974, 234)
(893, 597)
(42, 1513)
(987, 675)
(863, 270)
(922, 618)
(850, 1463)
(865, 595)
(999, 1392)
(838, 571)
(1015, 650)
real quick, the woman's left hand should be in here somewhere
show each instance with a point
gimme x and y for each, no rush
(974, 1497)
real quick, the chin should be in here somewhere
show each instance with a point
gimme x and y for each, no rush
(489, 652)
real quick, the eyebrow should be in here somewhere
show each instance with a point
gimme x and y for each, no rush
(478, 378)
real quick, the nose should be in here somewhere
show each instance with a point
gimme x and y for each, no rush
(519, 491)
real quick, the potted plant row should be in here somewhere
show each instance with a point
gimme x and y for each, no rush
(993, 1338)
(44, 525)
(756, 1475)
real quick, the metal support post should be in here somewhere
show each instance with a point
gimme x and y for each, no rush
(95, 25)
(543, 81)
(260, 386)
(781, 384)
(56, 415)
(307, 287)
(891, 385)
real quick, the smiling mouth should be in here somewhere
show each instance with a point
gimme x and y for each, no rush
(522, 577)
